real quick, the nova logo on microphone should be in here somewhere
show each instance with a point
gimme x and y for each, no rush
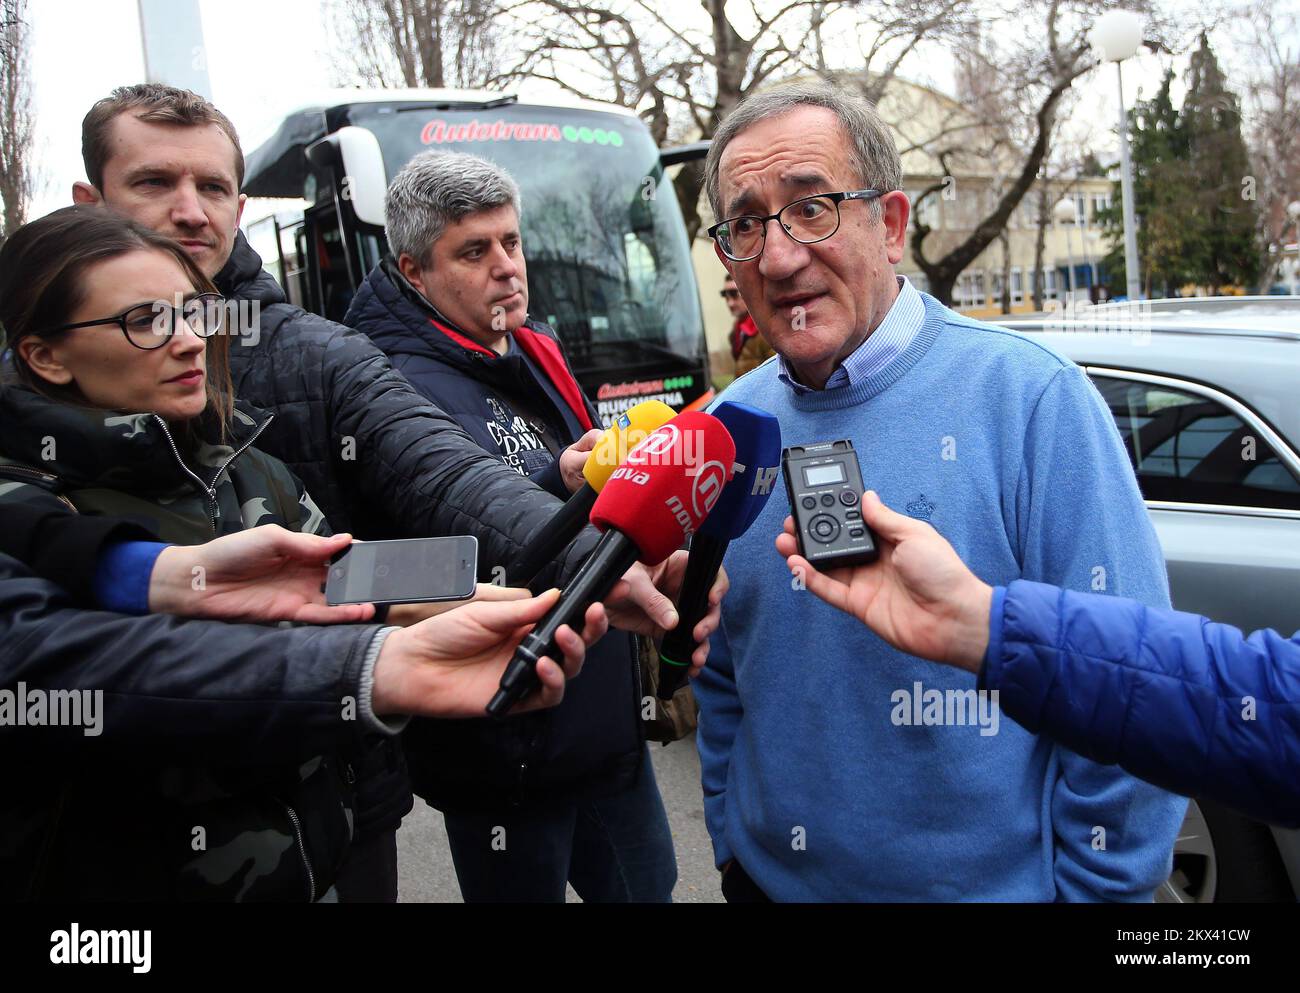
(631, 475)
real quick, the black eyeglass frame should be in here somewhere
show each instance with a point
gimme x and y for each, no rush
(835, 198)
(120, 320)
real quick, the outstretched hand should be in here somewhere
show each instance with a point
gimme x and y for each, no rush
(918, 596)
(451, 665)
(263, 574)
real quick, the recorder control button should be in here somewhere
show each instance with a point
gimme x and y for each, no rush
(852, 515)
(809, 502)
(828, 499)
(848, 498)
(855, 532)
(824, 529)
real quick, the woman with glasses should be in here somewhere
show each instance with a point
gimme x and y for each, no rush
(115, 400)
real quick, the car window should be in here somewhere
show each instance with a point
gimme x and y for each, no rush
(1188, 448)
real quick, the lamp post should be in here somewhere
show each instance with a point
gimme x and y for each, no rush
(1293, 212)
(1064, 213)
(1116, 36)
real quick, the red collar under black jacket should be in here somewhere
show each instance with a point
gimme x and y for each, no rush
(592, 743)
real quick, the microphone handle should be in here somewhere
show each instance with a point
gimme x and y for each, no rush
(613, 555)
(679, 644)
(553, 536)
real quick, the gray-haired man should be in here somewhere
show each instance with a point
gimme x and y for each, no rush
(529, 804)
(821, 780)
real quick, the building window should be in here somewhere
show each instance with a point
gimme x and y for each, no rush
(928, 212)
(1081, 209)
(1049, 284)
(1017, 286)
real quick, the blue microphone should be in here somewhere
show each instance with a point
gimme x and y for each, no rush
(757, 435)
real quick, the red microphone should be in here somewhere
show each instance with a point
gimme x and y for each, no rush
(652, 503)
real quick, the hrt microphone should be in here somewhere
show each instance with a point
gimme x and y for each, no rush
(757, 435)
(652, 503)
(629, 429)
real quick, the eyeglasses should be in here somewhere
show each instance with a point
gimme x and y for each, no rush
(807, 220)
(730, 294)
(151, 325)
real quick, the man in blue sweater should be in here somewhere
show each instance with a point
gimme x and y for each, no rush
(834, 766)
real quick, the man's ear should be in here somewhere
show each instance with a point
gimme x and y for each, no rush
(83, 192)
(896, 210)
(239, 214)
(726, 262)
(410, 269)
(41, 358)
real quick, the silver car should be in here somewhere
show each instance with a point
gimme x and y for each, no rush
(1206, 395)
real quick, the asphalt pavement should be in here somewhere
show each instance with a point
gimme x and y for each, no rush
(425, 872)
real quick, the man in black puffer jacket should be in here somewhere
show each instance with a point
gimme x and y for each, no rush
(535, 801)
(379, 460)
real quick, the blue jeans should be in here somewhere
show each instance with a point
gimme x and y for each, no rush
(614, 850)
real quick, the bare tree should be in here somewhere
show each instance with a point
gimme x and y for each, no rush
(17, 124)
(413, 43)
(1273, 107)
(1032, 75)
(684, 71)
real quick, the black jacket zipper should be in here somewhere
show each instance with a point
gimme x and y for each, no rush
(211, 491)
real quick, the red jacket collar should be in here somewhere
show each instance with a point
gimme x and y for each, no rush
(545, 352)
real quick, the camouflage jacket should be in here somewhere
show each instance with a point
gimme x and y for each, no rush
(216, 830)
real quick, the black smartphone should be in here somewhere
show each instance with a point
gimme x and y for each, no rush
(410, 570)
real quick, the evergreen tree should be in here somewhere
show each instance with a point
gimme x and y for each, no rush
(1223, 250)
(1190, 172)
(1162, 190)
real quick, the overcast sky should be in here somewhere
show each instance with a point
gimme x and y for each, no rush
(264, 56)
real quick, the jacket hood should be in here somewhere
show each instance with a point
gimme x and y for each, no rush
(87, 447)
(243, 278)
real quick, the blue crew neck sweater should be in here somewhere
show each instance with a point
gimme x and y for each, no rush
(836, 768)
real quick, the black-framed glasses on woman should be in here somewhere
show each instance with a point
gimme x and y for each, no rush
(807, 220)
(151, 325)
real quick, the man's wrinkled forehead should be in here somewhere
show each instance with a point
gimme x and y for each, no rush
(794, 183)
(805, 156)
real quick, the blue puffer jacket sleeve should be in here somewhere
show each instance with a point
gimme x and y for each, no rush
(1189, 705)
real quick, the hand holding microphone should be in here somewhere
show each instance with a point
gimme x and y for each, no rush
(659, 496)
(628, 430)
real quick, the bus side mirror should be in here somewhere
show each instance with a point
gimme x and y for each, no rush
(683, 153)
(352, 154)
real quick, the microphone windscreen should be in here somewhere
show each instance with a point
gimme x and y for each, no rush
(629, 429)
(668, 484)
(757, 435)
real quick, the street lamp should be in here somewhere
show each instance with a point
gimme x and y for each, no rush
(1116, 36)
(1293, 212)
(1065, 213)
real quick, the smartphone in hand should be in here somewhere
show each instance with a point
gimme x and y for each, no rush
(408, 570)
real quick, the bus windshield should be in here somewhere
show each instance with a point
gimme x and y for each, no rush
(609, 266)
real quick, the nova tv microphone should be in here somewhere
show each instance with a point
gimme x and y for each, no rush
(629, 429)
(757, 435)
(652, 503)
